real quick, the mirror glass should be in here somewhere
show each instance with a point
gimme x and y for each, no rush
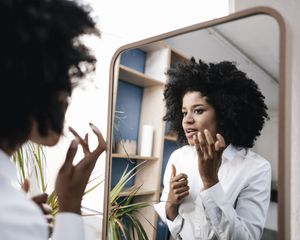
(141, 140)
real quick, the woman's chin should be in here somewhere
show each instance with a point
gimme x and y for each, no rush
(50, 140)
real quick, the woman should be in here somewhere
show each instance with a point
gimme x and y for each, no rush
(215, 187)
(41, 58)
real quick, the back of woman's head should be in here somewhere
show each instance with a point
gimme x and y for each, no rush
(238, 102)
(41, 57)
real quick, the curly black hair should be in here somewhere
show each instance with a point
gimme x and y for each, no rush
(41, 57)
(238, 102)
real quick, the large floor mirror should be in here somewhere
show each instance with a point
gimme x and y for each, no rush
(140, 142)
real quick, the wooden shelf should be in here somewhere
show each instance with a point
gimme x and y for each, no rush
(171, 138)
(140, 192)
(178, 57)
(137, 78)
(133, 157)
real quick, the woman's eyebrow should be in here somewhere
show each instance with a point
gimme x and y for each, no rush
(198, 105)
(195, 105)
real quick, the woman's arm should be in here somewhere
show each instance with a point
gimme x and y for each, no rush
(175, 190)
(247, 218)
(70, 186)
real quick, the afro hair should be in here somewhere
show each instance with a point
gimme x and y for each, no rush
(41, 57)
(238, 102)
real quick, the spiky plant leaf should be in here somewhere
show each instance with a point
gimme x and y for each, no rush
(122, 216)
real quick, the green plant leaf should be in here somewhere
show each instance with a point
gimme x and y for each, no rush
(123, 211)
(31, 159)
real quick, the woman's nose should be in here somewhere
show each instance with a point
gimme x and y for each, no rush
(188, 118)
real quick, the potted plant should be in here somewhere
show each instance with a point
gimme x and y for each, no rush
(123, 216)
(30, 160)
(31, 164)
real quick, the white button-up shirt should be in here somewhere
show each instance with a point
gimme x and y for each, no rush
(21, 219)
(235, 208)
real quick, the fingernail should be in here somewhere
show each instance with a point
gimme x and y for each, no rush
(94, 127)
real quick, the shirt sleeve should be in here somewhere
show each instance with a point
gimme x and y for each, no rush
(247, 219)
(176, 225)
(68, 226)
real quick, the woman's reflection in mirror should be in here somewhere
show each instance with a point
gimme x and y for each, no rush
(215, 187)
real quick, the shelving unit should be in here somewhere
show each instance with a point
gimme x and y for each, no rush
(127, 192)
(137, 78)
(171, 138)
(133, 157)
(146, 81)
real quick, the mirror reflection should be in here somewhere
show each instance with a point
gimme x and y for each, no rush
(143, 142)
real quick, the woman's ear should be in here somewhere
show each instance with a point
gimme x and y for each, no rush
(48, 140)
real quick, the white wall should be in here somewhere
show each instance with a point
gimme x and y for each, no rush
(289, 9)
(267, 144)
(210, 46)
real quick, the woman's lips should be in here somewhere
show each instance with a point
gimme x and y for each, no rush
(190, 133)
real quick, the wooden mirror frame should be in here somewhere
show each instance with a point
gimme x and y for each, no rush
(284, 110)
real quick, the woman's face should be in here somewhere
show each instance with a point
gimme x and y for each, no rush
(198, 115)
(52, 137)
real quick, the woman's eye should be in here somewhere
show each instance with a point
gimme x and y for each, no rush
(199, 111)
(184, 113)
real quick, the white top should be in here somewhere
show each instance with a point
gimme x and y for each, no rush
(235, 208)
(20, 218)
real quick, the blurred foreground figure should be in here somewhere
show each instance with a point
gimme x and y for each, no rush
(41, 60)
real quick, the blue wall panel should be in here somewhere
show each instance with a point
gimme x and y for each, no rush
(169, 147)
(134, 58)
(128, 108)
(127, 121)
(118, 167)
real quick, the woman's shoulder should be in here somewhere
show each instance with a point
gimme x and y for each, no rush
(258, 161)
(248, 159)
(22, 219)
(16, 200)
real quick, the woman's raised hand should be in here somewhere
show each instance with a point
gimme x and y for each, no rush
(209, 156)
(72, 179)
(178, 190)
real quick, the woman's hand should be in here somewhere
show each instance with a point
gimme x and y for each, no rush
(41, 201)
(209, 156)
(179, 189)
(72, 180)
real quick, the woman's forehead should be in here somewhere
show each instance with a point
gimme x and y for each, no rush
(194, 96)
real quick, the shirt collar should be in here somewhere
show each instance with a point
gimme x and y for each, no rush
(8, 170)
(231, 151)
